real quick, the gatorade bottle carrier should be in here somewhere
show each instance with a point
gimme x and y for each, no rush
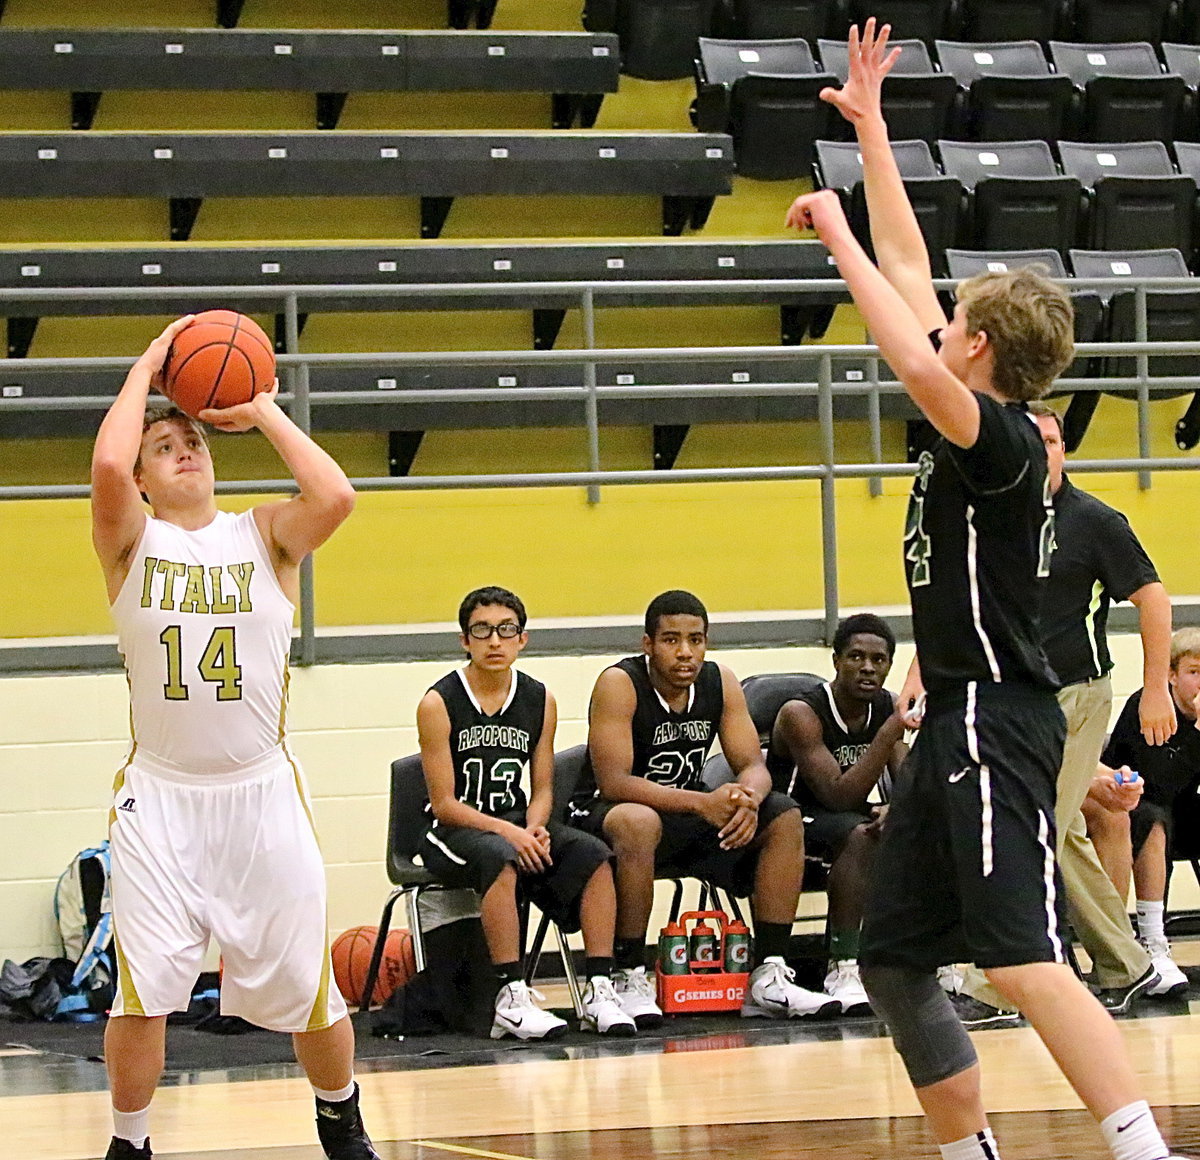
(701, 988)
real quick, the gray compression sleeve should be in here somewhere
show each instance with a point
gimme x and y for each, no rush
(923, 1023)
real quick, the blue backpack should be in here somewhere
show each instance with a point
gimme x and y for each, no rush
(83, 911)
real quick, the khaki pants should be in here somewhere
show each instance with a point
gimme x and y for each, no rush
(1094, 909)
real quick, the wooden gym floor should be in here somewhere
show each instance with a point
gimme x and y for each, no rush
(781, 1092)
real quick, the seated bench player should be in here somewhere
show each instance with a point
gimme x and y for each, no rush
(1169, 773)
(652, 721)
(481, 728)
(830, 750)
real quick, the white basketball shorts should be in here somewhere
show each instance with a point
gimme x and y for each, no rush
(233, 857)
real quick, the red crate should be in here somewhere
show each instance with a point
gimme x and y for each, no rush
(702, 988)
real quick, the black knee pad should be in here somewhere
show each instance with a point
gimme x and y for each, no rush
(923, 1023)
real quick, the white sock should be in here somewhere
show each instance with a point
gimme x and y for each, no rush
(337, 1097)
(1131, 1133)
(132, 1126)
(1150, 921)
(980, 1146)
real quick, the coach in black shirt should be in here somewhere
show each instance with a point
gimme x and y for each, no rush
(1097, 559)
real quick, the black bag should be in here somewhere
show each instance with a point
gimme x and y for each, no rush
(456, 992)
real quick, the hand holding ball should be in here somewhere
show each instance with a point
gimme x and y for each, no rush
(222, 359)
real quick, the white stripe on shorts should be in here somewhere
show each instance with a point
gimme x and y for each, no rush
(445, 849)
(1051, 894)
(985, 797)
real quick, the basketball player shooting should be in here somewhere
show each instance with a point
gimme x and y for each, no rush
(211, 826)
(966, 871)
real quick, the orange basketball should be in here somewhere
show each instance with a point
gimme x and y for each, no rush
(223, 358)
(352, 959)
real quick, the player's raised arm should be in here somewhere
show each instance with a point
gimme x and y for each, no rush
(902, 337)
(117, 512)
(292, 528)
(610, 745)
(899, 244)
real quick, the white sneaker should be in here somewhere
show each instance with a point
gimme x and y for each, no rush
(517, 1014)
(843, 984)
(772, 993)
(950, 978)
(1171, 980)
(637, 995)
(602, 1011)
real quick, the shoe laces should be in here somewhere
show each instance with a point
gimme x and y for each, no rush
(1157, 948)
(520, 994)
(602, 990)
(636, 980)
(845, 971)
(777, 972)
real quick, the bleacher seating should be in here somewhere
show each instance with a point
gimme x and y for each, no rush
(918, 101)
(1017, 197)
(1136, 199)
(1009, 92)
(773, 19)
(333, 266)
(688, 171)
(765, 94)
(935, 197)
(578, 67)
(917, 19)
(658, 37)
(1171, 316)
(1100, 21)
(1126, 95)
(988, 20)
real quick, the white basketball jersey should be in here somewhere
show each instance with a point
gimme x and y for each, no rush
(204, 628)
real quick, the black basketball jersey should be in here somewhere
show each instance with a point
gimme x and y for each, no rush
(491, 754)
(668, 747)
(977, 546)
(846, 746)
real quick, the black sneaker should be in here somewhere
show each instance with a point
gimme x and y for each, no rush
(974, 1014)
(1118, 1000)
(124, 1150)
(341, 1132)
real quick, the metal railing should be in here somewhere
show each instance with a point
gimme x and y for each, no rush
(296, 369)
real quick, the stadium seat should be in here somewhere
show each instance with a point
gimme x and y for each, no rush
(918, 101)
(687, 170)
(1126, 95)
(777, 19)
(1041, 20)
(1089, 308)
(935, 197)
(1018, 198)
(577, 67)
(1010, 92)
(658, 37)
(1100, 21)
(1171, 315)
(765, 94)
(1136, 200)
(1184, 60)
(913, 19)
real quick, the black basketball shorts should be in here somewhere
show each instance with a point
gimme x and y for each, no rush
(965, 871)
(463, 857)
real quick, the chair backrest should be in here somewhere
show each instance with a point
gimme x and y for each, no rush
(1187, 153)
(975, 161)
(767, 693)
(407, 818)
(1024, 19)
(1166, 263)
(778, 18)
(965, 263)
(1091, 162)
(923, 19)
(967, 61)
(1082, 62)
(1109, 20)
(1184, 60)
(914, 58)
(841, 161)
(725, 61)
(568, 765)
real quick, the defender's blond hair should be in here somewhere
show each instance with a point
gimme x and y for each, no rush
(1185, 643)
(1030, 325)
